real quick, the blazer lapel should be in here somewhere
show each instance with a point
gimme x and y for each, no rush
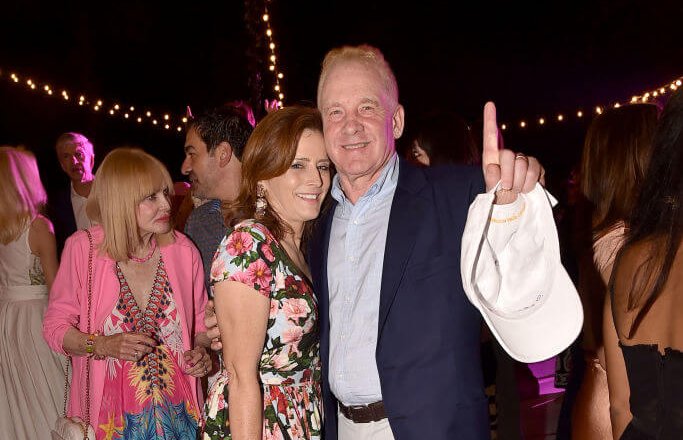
(406, 210)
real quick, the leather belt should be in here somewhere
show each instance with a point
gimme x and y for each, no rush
(373, 412)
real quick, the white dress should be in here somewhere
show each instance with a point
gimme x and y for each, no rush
(31, 375)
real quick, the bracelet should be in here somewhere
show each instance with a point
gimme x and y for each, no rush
(512, 218)
(90, 347)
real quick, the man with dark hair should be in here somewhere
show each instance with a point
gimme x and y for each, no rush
(214, 144)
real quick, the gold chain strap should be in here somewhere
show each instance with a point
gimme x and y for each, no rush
(87, 359)
(86, 424)
(66, 384)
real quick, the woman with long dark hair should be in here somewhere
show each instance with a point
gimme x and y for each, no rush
(616, 154)
(643, 332)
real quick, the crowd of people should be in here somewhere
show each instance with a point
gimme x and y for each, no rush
(324, 286)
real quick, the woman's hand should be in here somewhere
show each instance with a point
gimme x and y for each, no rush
(126, 346)
(197, 362)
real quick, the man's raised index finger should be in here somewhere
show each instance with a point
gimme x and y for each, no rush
(490, 150)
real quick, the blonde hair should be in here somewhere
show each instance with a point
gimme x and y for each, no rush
(125, 178)
(22, 196)
(370, 57)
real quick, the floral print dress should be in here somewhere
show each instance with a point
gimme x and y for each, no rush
(150, 399)
(290, 363)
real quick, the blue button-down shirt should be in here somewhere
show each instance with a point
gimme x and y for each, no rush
(354, 267)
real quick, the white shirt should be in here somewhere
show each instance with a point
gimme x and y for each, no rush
(78, 204)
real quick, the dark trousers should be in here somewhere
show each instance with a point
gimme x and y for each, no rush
(577, 367)
(499, 368)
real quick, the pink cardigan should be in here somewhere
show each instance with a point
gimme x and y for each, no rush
(68, 306)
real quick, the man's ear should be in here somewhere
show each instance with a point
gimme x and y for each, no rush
(397, 121)
(224, 153)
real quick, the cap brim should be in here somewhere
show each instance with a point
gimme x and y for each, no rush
(537, 336)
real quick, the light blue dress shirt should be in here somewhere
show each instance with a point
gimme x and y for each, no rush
(354, 267)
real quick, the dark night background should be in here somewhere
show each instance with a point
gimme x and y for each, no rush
(532, 59)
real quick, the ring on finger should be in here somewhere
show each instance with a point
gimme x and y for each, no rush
(522, 156)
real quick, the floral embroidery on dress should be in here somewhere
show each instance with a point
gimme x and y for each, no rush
(290, 363)
(35, 272)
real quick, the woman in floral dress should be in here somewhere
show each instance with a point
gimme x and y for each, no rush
(266, 309)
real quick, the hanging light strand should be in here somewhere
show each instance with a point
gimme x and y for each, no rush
(167, 121)
(112, 108)
(273, 65)
(646, 96)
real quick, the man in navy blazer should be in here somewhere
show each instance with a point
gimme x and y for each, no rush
(76, 156)
(399, 339)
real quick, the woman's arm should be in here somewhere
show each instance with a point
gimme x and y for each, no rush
(41, 240)
(617, 379)
(242, 314)
(126, 346)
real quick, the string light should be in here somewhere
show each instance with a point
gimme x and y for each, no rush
(113, 110)
(272, 58)
(646, 96)
(169, 119)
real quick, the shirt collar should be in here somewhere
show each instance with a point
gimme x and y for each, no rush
(383, 186)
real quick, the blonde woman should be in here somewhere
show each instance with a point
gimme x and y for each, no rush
(31, 376)
(146, 340)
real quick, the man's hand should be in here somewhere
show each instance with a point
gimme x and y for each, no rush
(516, 172)
(212, 331)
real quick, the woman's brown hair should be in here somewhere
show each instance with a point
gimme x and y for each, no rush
(616, 154)
(269, 153)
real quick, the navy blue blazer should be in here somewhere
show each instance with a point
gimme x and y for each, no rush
(429, 334)
(61, 212)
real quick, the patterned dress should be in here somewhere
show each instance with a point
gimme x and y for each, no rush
(290, 363)
(151, 398)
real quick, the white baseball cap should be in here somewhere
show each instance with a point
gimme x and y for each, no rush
(523, 292)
